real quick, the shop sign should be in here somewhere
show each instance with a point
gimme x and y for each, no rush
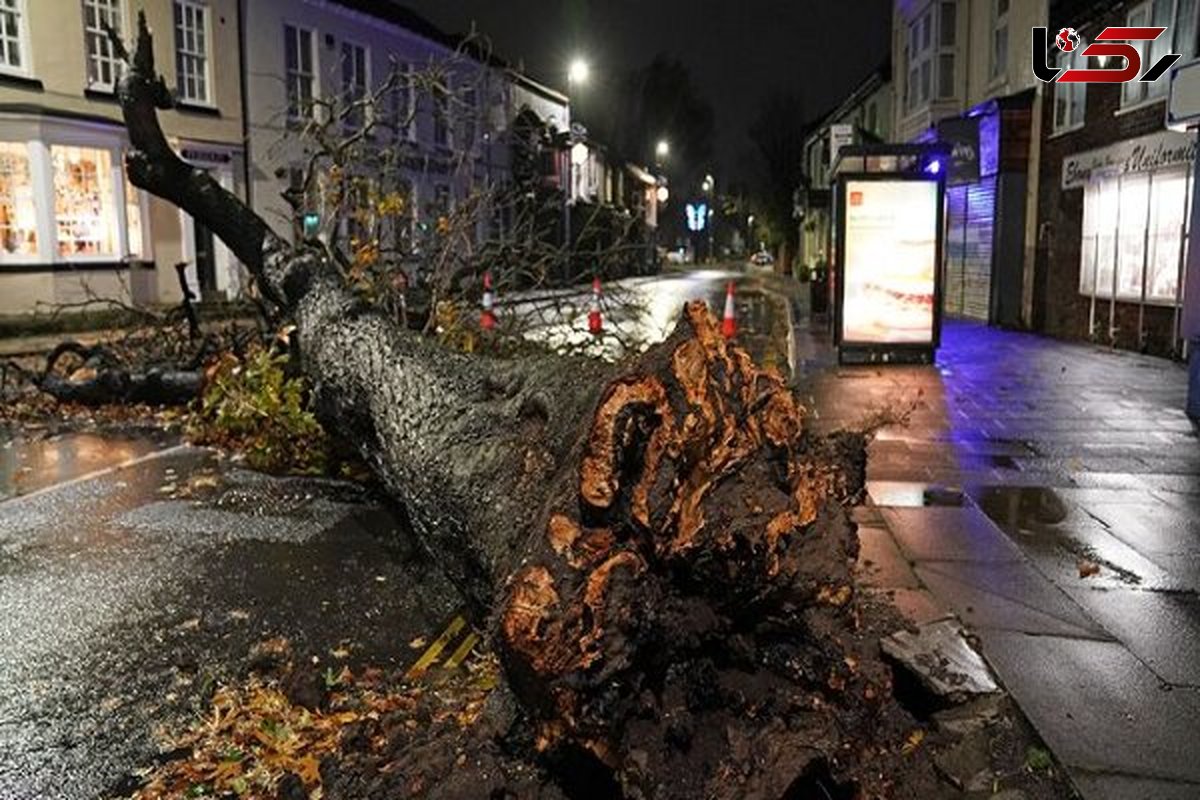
(1145, 154)
(839, 136)
(197, 156)
(962, 135)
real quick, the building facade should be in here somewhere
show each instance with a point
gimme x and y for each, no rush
(1115, 191)
(72, 228)
(437, 109)
(963, 76)
(862, 118)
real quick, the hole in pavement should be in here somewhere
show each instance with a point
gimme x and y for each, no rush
(582, 776)
(816, 783)
(912, 695)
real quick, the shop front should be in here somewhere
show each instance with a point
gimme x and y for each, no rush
(1136, 196)
(71, 225)
(985, 210)
(211, 267)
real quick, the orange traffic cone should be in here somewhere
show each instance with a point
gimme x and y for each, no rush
(729, 324)
(595, 320)
(487, 319)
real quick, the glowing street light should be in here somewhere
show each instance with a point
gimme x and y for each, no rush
(578, 72)
(662, 149)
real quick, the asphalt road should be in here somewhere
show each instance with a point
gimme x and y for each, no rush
(127, 594)
(639, 312)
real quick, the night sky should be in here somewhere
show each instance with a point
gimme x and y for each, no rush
(738, 51)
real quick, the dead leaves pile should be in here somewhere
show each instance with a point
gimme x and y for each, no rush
(253, 736)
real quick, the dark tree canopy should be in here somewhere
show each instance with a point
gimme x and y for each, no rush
(777, 133)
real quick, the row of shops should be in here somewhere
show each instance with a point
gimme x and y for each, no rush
(73, 228)
(1067, 206)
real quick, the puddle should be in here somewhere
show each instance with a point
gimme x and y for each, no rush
(1044, 523)
(30, 464)
(905, 494)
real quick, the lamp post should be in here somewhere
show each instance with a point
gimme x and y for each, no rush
(707, 186)
(578, 73)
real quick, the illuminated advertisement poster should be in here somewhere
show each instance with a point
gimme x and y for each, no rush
(890, 259)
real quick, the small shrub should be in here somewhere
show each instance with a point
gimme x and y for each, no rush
(254, 408)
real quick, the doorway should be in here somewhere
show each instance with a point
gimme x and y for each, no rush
(205, 259)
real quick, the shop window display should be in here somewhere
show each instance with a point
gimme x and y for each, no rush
(18, 209)
(1142, 216)
(83, 201)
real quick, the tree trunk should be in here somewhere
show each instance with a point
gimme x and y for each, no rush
(661, 555)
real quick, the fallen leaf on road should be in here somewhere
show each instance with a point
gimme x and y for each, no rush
(1088, 568)
(340, 652)
(913, 741)
(417, 643)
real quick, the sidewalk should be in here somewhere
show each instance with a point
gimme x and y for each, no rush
(1070, 459)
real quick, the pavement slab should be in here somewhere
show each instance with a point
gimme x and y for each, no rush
(1098, 707)
(880, 562)
(1160, 628)
(1007, 596)
(1101, 786)
(946, 533)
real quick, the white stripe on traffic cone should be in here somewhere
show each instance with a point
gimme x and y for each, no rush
(487, 318)
(595, 319)
(729, 323)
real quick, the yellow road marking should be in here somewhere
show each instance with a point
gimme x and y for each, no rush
(464, 649)
(430, 656)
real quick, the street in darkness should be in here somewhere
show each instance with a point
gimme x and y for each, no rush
(551, 401)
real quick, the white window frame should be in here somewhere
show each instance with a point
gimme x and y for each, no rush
(925, 49)
(25, 68)
(998, 52)
(117, 9)
(404, 122)
(470, 119)
(344, 89)
(39, 144)
(1135, 92)
(314, 77)
(447, 116)
(202, 8)
(1073, 95)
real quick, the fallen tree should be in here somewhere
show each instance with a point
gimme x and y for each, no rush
(662, 554)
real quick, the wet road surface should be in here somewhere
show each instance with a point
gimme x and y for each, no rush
(1048, 494)
(37, 459)
(126, 596)
(639, 312)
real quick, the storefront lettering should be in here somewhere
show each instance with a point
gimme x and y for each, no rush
(1147, 154)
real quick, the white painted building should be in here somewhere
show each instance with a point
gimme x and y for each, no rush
(72, 228)
(309, 52)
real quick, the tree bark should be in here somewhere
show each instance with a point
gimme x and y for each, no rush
(662, 555)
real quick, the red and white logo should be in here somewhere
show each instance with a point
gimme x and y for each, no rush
(1115, 44)
(1067, 40)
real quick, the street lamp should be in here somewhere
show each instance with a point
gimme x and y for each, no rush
(578, 72)
(662, 149)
